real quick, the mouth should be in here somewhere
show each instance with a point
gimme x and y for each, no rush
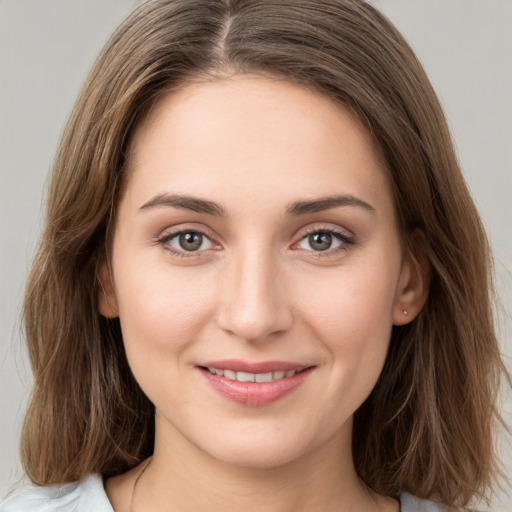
(252, 377)
(254, 384)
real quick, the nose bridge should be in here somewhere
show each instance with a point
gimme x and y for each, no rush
(255, 304)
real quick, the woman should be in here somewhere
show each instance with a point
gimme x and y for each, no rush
(259, 257)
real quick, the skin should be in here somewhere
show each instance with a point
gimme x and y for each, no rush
(257, 289)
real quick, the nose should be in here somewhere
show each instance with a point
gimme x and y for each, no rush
(254, 305)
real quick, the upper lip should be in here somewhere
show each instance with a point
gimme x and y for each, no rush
(238, 365)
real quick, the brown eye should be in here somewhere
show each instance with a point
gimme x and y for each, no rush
(324, 240)
(320, 241)
(187, 241)
(190, 241)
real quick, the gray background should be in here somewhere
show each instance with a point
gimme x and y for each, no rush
(46, 49)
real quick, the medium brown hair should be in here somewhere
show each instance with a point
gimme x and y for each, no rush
(428, 427)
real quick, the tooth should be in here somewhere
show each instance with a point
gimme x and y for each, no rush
(245, 377)
(252, 377)
(230, 374)
(264, 377)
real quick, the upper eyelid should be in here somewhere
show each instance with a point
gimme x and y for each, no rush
(172, 232)
(343, 232)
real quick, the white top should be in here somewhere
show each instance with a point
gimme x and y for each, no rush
(89, 496)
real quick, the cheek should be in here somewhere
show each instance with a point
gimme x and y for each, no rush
(351, 311)
(161, 309)
(353, 299)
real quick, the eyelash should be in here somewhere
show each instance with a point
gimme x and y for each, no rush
(164, 242)
(345, 242)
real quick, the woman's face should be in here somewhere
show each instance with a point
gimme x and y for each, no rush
(257, 269)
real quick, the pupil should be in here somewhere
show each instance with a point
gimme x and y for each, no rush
(320, 241)
(191, 241)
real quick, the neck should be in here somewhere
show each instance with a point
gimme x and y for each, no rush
(182, 477)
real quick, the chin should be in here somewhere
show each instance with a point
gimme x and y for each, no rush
(258, 457)
(260, 448)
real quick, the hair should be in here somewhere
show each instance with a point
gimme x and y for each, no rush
(429, 425)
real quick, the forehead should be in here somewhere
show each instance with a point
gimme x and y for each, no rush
(258, 134)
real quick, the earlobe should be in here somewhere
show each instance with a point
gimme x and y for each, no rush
(107, 302)
(414, 282)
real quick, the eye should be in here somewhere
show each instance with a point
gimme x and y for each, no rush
(187, 241)
(323, 240)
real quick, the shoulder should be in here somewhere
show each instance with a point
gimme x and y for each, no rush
(84, 496)
(411, 503)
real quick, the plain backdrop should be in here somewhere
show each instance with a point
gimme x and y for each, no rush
(46, 49)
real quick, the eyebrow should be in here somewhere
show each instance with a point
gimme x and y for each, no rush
(296, 208)
(326, 203)
(185, 202)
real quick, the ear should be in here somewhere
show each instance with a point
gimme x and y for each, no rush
(107, 302)
(414, 282)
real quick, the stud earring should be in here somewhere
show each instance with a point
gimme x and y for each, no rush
(405, 312)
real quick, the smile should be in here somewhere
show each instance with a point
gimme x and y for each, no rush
(254, 384)
(252, 377)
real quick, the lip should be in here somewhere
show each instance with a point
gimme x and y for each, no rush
(254, 394)
(239, 365)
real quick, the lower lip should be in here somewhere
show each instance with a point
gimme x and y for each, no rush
(254, 394)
